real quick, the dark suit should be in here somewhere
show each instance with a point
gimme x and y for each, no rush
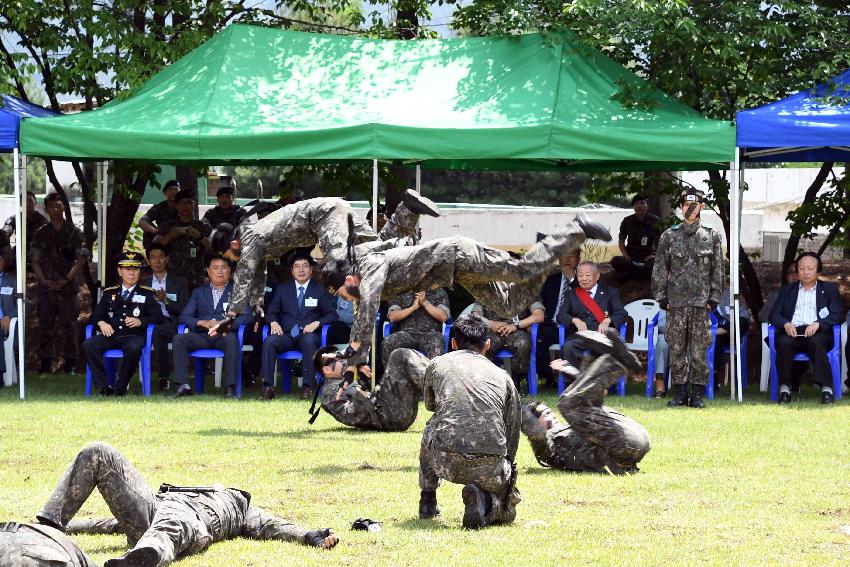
(828, 311)
(112, 309)
(608, 299)
(176, 297)
(547, 332)
(200, 307)
(285, 310)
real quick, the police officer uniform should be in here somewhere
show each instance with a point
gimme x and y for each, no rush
(116, 305)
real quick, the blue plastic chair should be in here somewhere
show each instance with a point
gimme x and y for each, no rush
(834, 357)
(652, 331)
(531, 378)
(205, 353)
(621, 382)
(286, 357)
(109, 365)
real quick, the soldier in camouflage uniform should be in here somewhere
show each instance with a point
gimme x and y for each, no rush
(58, 255)
(511, 334)
(595, 438)
(329, 221)
(161, 527)
(418, 319)
(391, 407)
(187, 240)
(687, 281)
(505, 284)
(34, 220)
(472, 437)
(34, 545)
(225, 211)
(162, 214)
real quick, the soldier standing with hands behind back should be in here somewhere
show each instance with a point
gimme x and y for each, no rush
(686, 281)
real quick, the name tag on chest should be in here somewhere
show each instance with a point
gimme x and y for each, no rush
(171, 296)
(6, 290)
(138, 298)
(311, 302)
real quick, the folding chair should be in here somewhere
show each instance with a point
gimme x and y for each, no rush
(109, 366)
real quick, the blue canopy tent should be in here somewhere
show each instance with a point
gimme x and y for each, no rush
(811, 125)
(12, 111)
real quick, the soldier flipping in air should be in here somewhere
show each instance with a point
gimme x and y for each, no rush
(687, 281)
(391, 407)
(595, 438)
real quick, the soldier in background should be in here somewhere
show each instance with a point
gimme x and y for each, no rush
(58, 255)
(225, 211)
(687, 281)
(36, 545)
(472, 437)
(187, 240)
(595, 438)
(34, 221)
(418, 319)
(122, 318)
(161, 527)
(160, 215)
(393, 405)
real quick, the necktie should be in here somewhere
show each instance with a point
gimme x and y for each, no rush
(125, 294)
(300, 298)
(565, 288)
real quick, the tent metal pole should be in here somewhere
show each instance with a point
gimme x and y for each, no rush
(20, 276)
(101, 225)
(375, 228)
(734, 276)
(418, 178)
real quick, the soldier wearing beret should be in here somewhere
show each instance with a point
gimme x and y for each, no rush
(122, 317)
(687, 281)
(161, 214)
(187, 240)
(225, 211)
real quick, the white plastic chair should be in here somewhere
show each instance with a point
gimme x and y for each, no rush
(11, 375)
(641, 312)
(843, 358)
(764, 382)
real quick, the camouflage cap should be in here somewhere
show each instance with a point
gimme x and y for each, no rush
(692, 194)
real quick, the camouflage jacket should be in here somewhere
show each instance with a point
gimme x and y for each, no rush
(56, 251)
(217, 215)
(352, 408)
(476, 406)
(420, 321)
(186, 256)
(688, 269)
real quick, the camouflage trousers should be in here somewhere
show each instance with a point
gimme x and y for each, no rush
(432, 343)
(518, 344)
(28, 545)
(490, 473)
(688, 336)
(602, 437)
(57, 315)
(397, 396)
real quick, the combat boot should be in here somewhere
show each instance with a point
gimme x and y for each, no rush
(420, 205)
(474, 507)
(139, 557)
(428, 505)
(696, 400)
(680, 396)
(592, 229)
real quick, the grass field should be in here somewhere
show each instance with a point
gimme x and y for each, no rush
(734, 484)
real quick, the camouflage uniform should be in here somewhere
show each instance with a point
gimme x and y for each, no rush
(34, 545)
(162, 214)
(186, 256)
(505, 284)
(322, 220)
(56, 252)
(394, 404)
(173, 523)
(688, 273)
(472, 437)
(217, 215)
(35, 222)
(419, 330)
(595, 438)
(517, 343)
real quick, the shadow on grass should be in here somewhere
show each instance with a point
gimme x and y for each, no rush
(420, 525)
(337, 469)
(292, 434)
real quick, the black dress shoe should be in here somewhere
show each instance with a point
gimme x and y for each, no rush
(784, 398)
(183, 390)
(230, 392)
(267, 394)
(827, 398)
(106, 391)
(164, 384)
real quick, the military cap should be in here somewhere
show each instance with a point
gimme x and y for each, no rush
(638, 197)
(226, 190)
(692, 194)
(171, 183)
(184, 194)
(129, 259)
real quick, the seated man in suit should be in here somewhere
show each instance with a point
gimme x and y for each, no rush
(295, 316)
(206, 308)
(122, 316)
(172, 293)
(803, 315)
(552, 296)
(591, 306)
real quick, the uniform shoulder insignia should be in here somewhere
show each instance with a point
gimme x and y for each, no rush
(147, 288)
(110, 288)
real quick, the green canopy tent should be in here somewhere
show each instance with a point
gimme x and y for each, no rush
(262, 95)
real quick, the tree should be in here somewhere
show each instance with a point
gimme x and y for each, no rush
(717, 56)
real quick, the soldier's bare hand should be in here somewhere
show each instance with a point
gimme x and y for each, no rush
(193, 233)
(420, 298)
(558, 364)
(365, 370)
(275, 328)
(105, 328)
(790, 330)
(812, 329)
(132, 322)
(331, 540)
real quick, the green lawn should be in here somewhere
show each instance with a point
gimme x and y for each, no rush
(734, 484)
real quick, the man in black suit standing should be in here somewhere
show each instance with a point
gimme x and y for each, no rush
(172, 293)
(552, 296)
(297, 311)
(806, 311)
(591, 306)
